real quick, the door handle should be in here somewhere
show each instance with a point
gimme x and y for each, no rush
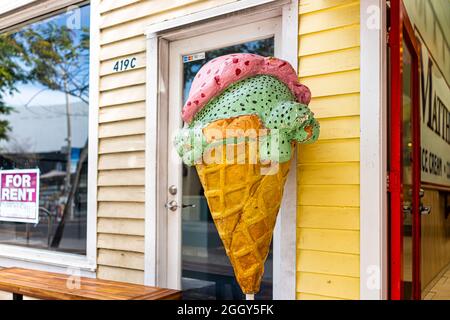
(173, 205)
(421, 193)
(407, 209)
(424, 210)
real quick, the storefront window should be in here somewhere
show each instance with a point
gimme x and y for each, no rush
(44, 111)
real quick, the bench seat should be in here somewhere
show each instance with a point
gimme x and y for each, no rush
(56, 286)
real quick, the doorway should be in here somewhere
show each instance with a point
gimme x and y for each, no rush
(196, 259)
(404, 159)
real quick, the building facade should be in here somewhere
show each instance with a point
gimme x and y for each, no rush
(340, 233)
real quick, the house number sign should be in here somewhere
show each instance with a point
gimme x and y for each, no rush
(125, 64)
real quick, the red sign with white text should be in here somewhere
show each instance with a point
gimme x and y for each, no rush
(19, 195)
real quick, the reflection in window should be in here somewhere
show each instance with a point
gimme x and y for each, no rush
(44, 111)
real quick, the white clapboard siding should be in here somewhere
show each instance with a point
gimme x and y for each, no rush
(126, 111)
(122, 144)
(121, 210)
(120, 274)
(121, 259)
(124, 177)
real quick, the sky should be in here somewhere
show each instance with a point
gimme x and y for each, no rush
(39, 113)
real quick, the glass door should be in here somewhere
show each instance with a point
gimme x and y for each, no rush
(204, 268)
(404, 162)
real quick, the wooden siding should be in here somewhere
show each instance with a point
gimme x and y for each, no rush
(121, 170)
(328, 171)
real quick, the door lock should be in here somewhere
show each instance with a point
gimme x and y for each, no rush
(173, 205)
(173, 190)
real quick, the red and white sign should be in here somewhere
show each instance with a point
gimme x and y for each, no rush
(19, 195)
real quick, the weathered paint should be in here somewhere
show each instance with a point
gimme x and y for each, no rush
(328, 171)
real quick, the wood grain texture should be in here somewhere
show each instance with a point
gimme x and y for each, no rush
(435, 237)
(55, 286)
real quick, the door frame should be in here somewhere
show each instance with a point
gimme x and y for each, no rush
(200, 43)
(159, 36)
(402, 30)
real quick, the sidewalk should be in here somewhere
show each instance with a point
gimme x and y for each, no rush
(441, 288)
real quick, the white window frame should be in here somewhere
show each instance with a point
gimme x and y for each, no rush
(373, 152)
(158, 37)
(14, 5)
(41, 259)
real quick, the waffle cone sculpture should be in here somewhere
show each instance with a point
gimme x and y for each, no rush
(244, 115)
(244, 204)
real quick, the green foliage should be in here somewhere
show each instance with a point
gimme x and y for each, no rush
(52, 55)
(12, 60)
(59, 61)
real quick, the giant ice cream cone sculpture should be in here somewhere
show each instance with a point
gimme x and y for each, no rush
(243, 116)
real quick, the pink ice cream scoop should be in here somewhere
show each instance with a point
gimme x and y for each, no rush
(218, 74)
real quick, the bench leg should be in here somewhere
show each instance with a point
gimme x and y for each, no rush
(17, 296)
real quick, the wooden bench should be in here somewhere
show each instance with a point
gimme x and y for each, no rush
(56, 286)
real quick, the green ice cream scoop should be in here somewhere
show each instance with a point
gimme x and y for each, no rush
(265, 96)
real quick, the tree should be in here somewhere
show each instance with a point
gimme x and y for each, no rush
(59, 60)
(12, 61)
(59, 63)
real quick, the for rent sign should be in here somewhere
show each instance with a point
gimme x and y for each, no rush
(19, 195)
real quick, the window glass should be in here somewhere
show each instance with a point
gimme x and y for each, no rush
(44, 113)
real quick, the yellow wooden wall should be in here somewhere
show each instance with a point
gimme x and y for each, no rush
(122, 131)
(328, 171)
